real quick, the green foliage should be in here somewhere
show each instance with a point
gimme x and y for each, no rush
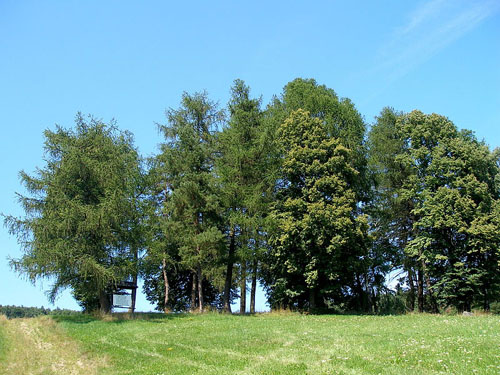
(241, 166)
(319, 239)
(455, 197)
(246, 178)
(391, 224)
(186, 210)
(439, 204)
(391, 304)
(495, 307)
(340, 118)
(80, 211)
(296, 196)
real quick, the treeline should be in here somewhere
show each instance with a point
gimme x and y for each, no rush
(12, 312)
(296, 195)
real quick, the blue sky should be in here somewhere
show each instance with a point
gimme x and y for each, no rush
(131, 60)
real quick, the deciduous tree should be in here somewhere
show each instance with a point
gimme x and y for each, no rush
(318, 242)
(80, 209)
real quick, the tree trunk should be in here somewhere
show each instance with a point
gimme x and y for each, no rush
(361, 305)
(420, 290)
(374, 300)
(200, 289)
(411, 294)
(133, 295)
(243, 288)
(312, 300)
(104, 303)
(466, 306)
(434, 306)
(254, 286)
(486, 300)
(193, 291)
(229, 272)
(134, 280)
(167, 286)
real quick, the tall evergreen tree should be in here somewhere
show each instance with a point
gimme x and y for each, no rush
(244, 183)
(81, 208)
(191, 206)
(391, 218)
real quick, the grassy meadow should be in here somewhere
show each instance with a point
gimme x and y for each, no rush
(261, 344)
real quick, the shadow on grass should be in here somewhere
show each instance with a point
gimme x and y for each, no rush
(118, 318)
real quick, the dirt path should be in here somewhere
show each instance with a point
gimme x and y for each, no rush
(37, 346)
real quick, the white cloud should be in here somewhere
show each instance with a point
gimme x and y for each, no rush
(429, 28)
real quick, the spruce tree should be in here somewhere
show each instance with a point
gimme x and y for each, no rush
(244, 182)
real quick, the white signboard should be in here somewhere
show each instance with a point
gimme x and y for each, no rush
(122, 300)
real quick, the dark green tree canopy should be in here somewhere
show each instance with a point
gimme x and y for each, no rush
(436, 199)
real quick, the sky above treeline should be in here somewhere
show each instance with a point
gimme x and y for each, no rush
(131, 60)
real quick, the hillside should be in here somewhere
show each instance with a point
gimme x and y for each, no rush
(39, 346)
(260, 344)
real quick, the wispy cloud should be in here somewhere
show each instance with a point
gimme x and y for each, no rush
(431, 26)
(421, 14)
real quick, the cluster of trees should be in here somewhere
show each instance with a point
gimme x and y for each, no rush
(297, 196)
(12, 312)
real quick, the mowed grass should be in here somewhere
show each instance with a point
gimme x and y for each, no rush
(291, 344)
(3, 340)
(38, 346)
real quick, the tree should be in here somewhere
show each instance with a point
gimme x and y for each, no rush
(161, 263)
(437, 197)
(391, 219)
(190, 208)
(318, 242)
(244, 181)
(79, 212)
(339, 117)
(455, 196)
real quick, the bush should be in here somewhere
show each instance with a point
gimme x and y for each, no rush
(495, 307)
(391, 304)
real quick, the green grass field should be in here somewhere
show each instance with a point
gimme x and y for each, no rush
(280, 344)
